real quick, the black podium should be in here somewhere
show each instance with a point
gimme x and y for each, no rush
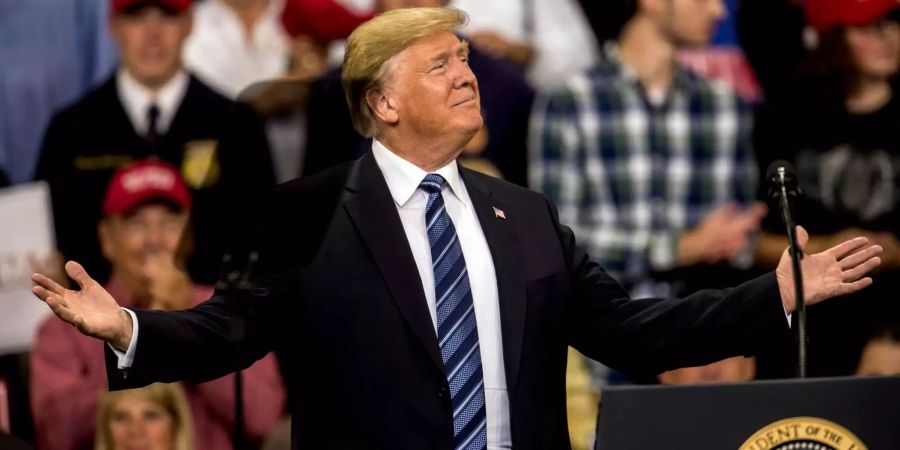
(810, 414)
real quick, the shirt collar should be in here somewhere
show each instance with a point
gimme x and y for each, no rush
(403, 177)
(136, 99)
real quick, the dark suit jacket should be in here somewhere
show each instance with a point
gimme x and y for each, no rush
(341, 293)
(87, 141)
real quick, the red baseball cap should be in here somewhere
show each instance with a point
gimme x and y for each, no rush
(304, 17)
(138, 183)
(173, 5)
(826, 14)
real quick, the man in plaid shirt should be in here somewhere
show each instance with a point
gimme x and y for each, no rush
(652, 165)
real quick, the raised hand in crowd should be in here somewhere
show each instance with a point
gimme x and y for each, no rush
(890, 258)
(721, 236)
(170, 288)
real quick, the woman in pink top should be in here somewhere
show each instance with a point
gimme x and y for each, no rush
(146, 209)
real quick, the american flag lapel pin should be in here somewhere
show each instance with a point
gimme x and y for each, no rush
(498, 213)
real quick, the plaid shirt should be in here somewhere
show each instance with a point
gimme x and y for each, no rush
(629, 176)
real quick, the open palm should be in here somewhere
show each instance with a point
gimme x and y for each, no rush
(91, 309)
(840, 270)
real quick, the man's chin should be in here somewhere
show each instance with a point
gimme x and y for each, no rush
(153, 74)
(473, 127)
(470, 131)
(699, 42)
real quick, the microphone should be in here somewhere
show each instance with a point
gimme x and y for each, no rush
(782, 174)
(784, 185)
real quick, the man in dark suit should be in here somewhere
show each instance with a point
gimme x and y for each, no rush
(151, 107)
(428, 306)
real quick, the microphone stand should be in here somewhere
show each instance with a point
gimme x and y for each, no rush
(239, 285)
(796, 255)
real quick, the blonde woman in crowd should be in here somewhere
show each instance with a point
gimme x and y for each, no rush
(155, 417)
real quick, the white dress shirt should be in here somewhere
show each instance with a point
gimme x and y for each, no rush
(137, 99)
(222, 55)
(403, 178)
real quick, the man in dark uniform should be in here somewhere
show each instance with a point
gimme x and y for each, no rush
(151, 107)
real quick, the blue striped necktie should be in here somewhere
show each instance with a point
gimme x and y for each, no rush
(457, 330)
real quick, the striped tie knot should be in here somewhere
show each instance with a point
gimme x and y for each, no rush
(432, 183)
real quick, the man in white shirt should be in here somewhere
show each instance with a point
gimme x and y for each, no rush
(431, 306)
(550, 38)
(236, 43)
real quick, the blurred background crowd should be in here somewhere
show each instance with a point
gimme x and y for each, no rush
(649, 123)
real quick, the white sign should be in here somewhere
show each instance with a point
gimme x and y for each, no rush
(26, 243)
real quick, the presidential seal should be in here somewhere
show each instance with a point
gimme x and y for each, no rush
(803, 433)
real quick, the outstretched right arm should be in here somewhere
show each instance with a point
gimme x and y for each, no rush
(195, 345)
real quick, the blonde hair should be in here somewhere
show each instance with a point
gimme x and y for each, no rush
(374, 43)
(169, 396)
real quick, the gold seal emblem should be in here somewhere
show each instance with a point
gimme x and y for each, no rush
(803, 433)
(200, 166)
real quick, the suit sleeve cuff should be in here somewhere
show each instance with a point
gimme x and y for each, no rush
(124, 360)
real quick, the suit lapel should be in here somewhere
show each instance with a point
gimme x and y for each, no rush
(507, 266)
(372, 210)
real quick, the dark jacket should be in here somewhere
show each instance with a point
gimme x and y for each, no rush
(86, 142)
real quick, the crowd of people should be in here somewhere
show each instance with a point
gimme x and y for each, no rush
(648, 123)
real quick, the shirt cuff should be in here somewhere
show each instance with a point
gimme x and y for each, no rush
(663, 251)
(127, 358)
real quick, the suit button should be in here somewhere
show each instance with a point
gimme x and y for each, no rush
(442, 392)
